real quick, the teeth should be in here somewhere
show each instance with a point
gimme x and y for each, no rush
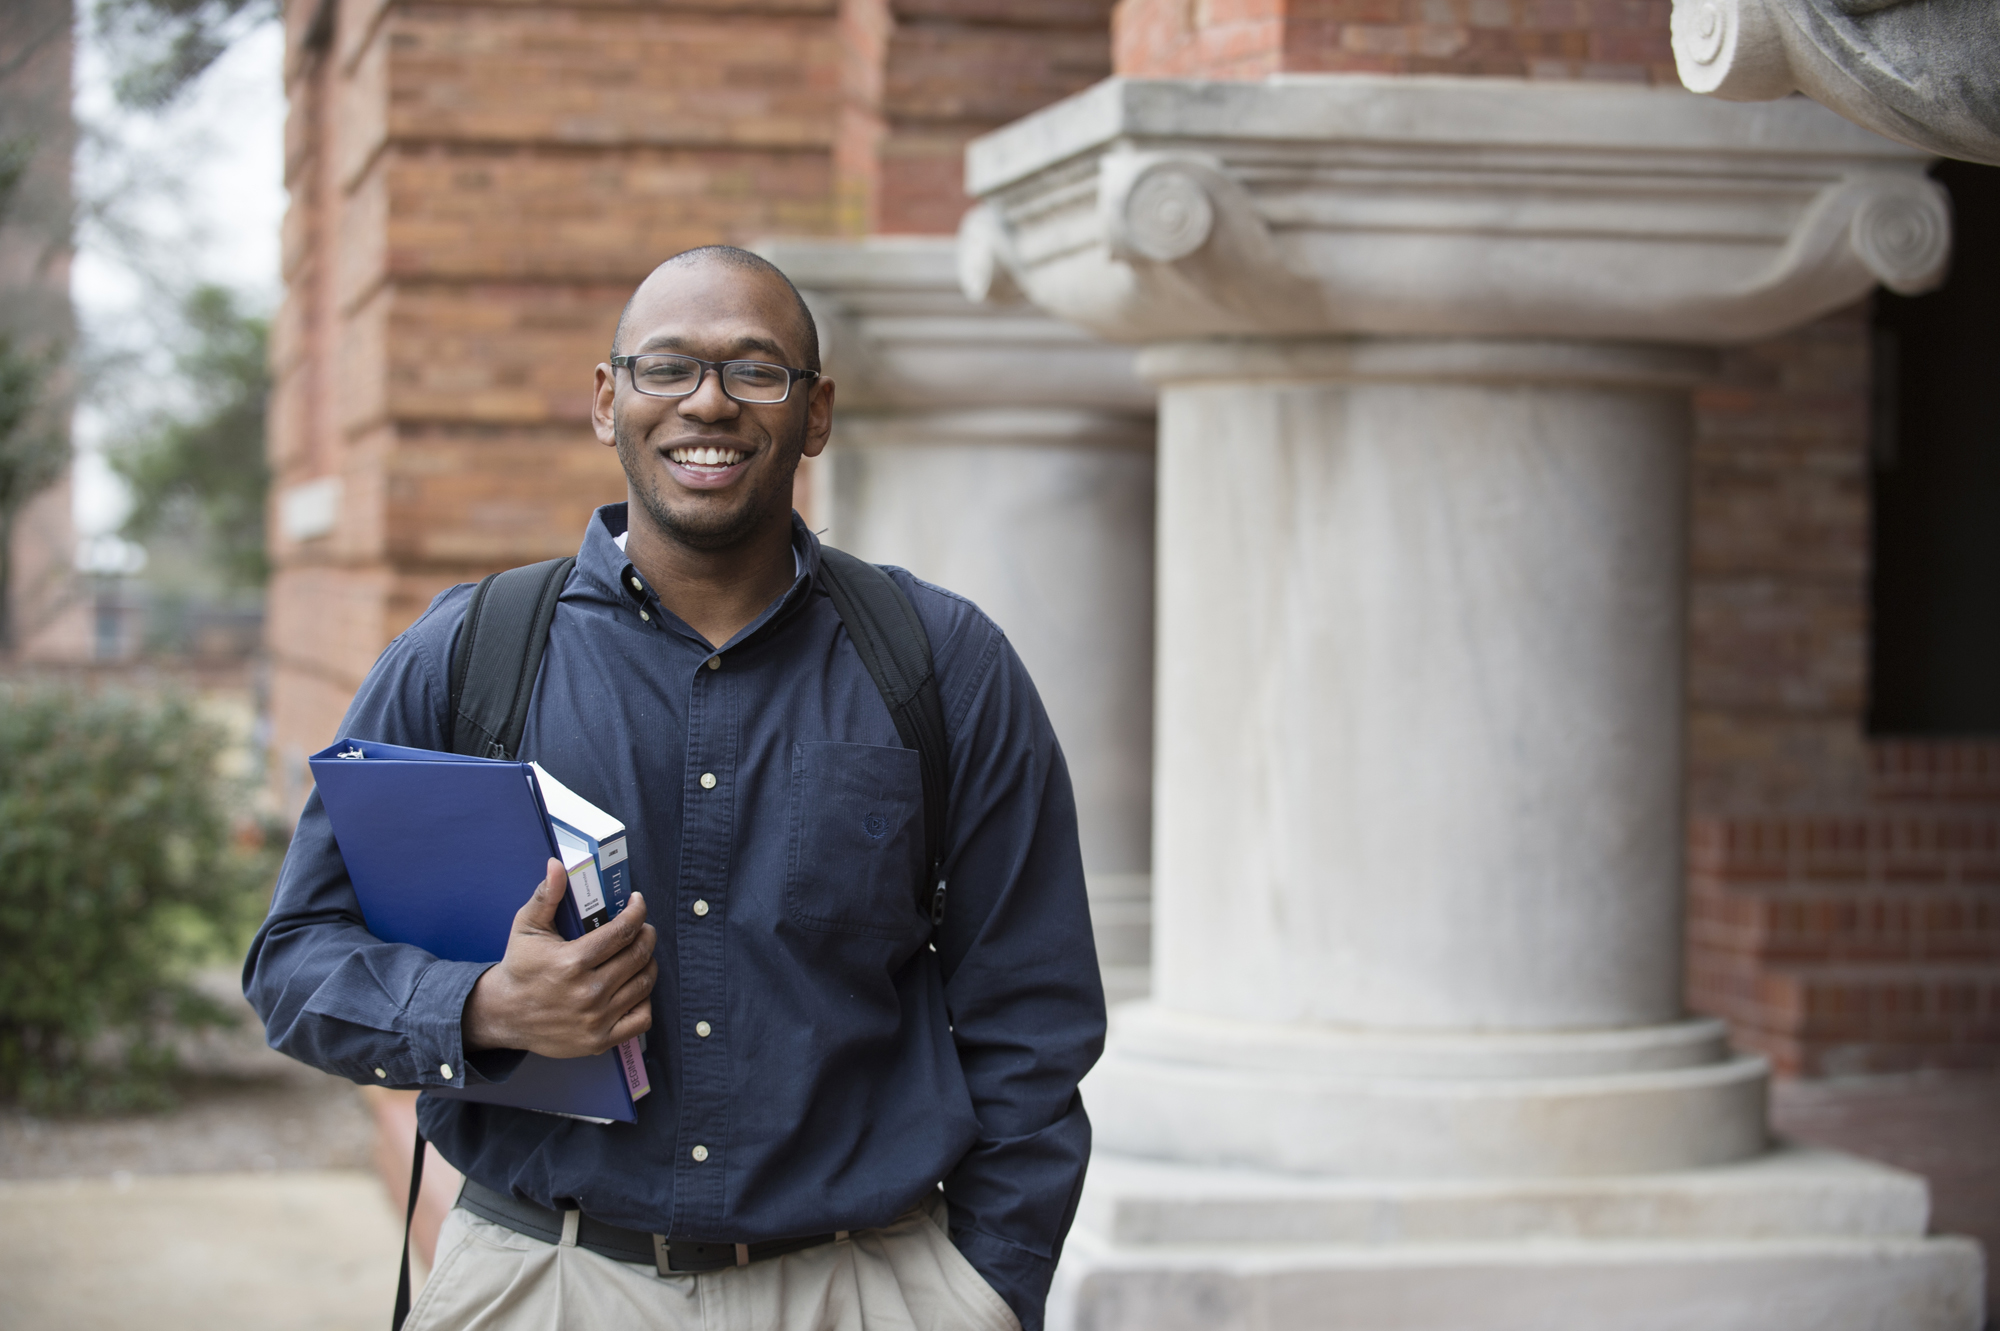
(706, 457)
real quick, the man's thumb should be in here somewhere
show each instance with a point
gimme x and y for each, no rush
(539, 911)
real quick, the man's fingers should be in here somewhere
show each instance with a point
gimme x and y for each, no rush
(636, 1022)
(600, 946)
(635, 990)
(615, 970)
(538, 912)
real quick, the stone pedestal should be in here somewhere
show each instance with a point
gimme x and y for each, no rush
(1423, 350)
(997, 452)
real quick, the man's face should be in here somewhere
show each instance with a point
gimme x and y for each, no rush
(705, 470)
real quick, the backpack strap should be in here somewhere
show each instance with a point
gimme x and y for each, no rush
(498, 655)
(891, 642)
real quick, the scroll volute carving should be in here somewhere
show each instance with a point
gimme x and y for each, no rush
(1192, 257)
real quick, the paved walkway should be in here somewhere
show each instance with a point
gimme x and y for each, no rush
(296, 1251)
(252, 1207)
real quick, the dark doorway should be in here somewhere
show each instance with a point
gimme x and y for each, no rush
(1935, 643)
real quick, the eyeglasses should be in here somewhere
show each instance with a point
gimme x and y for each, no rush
(753, 381)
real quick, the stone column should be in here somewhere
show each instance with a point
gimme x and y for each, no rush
(1008, 457)
(1416, 1055)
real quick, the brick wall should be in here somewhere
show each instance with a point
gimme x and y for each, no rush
(954, 69)
(1859, 942)
(475, 191)
(1778, 564)
(1248, 39)
(1843, 895)
(48, 606)
(476, 188)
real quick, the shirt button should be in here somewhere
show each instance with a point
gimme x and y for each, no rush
(715, 663)
(708, 781)
(645, 618)
(638, 586)
(702, 1029)
(444, 1070)
(382, 1073)
(701, 908)
(700, 1153)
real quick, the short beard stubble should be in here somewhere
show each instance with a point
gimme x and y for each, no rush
(721, 532)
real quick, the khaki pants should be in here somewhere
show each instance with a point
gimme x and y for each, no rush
(906, 1276)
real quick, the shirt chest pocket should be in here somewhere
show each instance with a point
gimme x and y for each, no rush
(857, 838)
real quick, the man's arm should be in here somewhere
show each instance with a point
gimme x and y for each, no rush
(1021, 983)
(333, 995)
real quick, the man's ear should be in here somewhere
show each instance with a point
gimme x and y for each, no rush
(819, 418)
(604, 392)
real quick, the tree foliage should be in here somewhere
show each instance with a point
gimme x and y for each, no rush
(122, 866)
(162, 47)
(208, 461)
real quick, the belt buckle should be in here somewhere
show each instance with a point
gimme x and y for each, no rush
(660, 1256)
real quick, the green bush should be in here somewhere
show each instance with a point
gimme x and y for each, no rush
(126, 860)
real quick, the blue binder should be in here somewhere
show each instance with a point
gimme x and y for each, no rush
(443, 849)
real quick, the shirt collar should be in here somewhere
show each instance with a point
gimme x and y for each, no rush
(611, 576)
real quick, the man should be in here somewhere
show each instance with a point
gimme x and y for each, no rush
(822, 1059)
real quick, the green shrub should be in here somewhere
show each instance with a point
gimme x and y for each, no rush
(126, 860)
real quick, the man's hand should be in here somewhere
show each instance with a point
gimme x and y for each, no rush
(564, 998)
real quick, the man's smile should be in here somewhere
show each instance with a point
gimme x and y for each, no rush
(706, 457)
(707, 466)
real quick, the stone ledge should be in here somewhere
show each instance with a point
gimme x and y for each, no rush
(1793, 1192)
(1817, 1284)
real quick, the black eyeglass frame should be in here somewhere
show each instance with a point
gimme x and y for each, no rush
(793, 376)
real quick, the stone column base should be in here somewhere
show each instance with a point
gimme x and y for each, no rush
(1180, 1086)
(1795, 1240)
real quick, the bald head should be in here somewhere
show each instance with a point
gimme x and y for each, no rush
(754, 267)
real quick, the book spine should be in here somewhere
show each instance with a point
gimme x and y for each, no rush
(612, 864)
(633, 1060)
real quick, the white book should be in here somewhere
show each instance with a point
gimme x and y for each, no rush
(593, 854)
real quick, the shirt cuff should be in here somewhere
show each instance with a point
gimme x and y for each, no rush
(1018, 1276)
(436, 1030)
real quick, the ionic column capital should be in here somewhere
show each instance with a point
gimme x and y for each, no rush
(1159, 210)
(902, 341)
(1912, 71)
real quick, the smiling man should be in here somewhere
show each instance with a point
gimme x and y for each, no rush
(861, 1119)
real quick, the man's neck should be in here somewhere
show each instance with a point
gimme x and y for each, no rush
(715, 592)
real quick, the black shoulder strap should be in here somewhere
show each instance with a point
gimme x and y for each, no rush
(893, 645)
(402, 1310)
(498, 655)
(500, 646)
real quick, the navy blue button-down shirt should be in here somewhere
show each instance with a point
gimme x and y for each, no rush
(848, 1067)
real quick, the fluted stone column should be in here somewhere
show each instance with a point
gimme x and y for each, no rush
(1009, 457)
(1416, 1055)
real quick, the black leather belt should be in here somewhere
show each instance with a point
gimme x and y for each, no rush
(625, 1245)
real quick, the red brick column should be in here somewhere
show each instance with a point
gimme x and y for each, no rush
(476, 189)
